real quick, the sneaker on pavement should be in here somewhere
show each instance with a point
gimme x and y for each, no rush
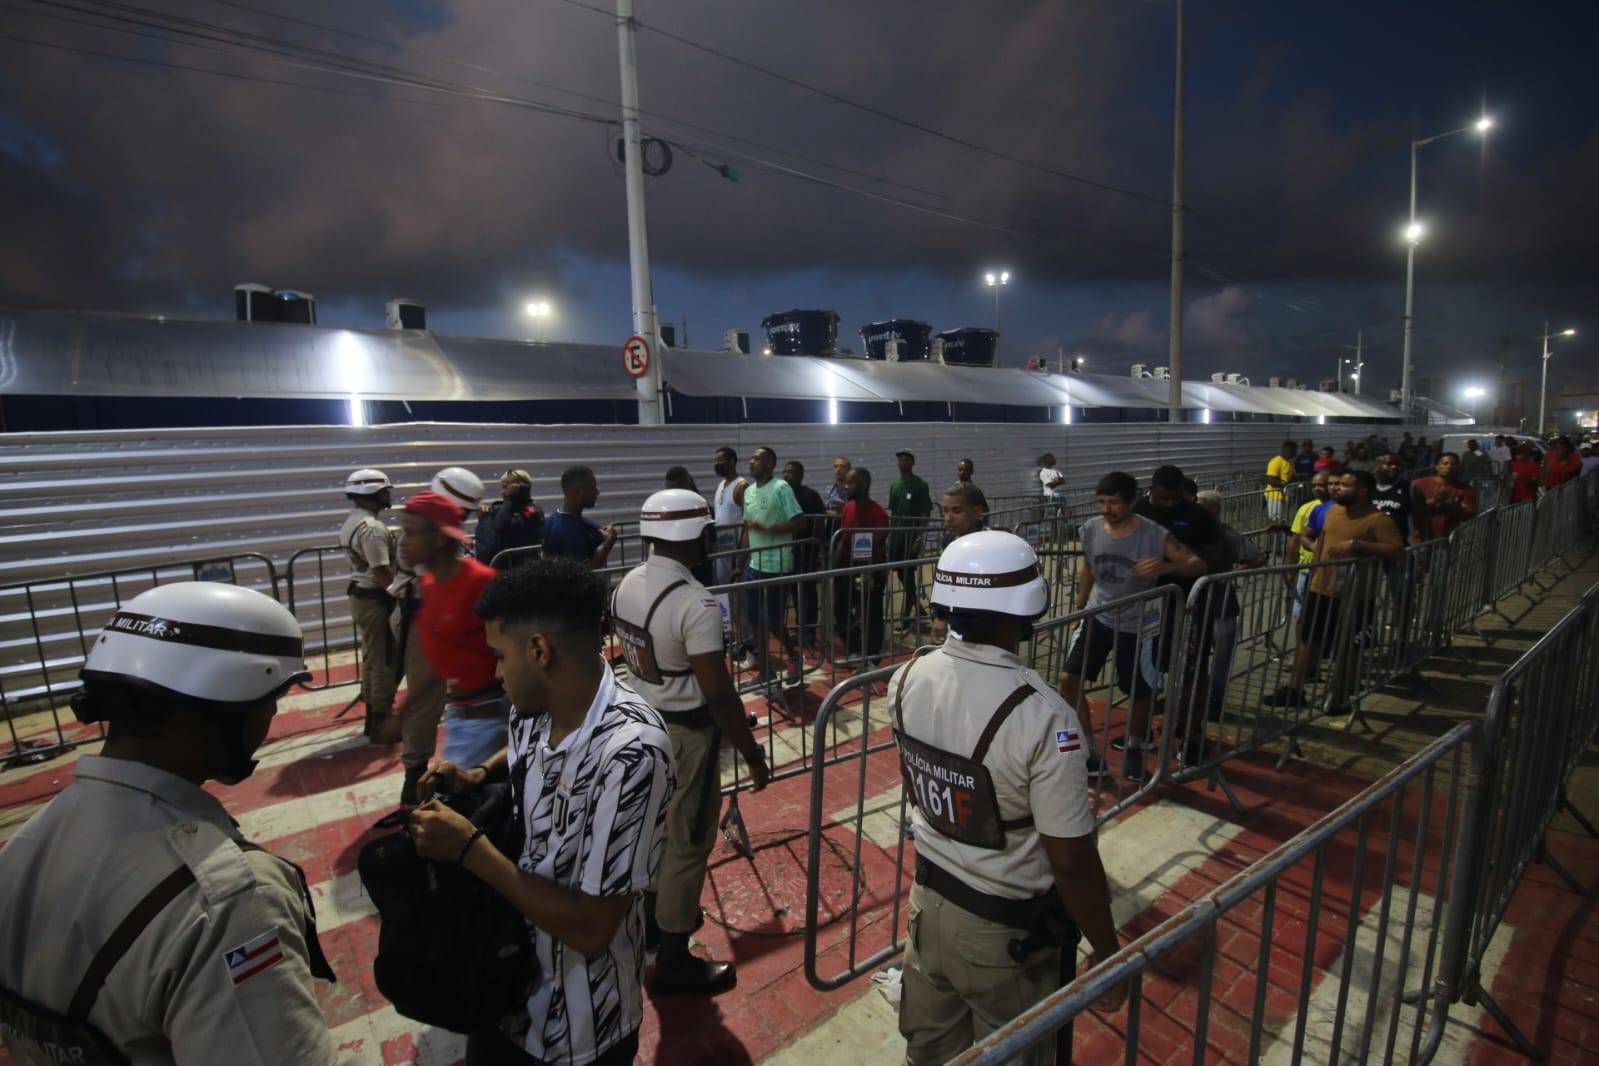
(749, 662)
(1096, 766)
(796, 673)
(1133, 768)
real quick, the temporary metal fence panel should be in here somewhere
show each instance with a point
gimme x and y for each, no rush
(1290, 908)
(316, 582)
(871, 814)
(49, 626)
(1264, 660)
(1543, 716)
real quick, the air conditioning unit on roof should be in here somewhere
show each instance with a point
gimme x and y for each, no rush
(1218, 378)
(1163, 373)
(1140, 370)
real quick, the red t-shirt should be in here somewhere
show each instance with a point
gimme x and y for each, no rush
(1525, 485)
(451, 632)
(1434, 523)
(858, 516)
(1325, 464)
(1561, 471)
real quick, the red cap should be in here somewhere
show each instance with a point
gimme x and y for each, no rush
(442, 511)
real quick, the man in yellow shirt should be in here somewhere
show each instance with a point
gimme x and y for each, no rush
(1279, 472)
(1302, 537)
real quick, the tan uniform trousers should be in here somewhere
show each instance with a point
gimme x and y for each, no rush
(690, 828)
(961, 984)
(423, 706)
(379, 677)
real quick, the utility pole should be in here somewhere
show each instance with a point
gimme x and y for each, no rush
(1501, 406)
(1174, 358)
(638, 250)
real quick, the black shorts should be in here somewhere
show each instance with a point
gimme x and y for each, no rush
(1092, 645)
(1318, 622)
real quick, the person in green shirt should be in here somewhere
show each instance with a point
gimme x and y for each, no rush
(910, 501)
(771, 518)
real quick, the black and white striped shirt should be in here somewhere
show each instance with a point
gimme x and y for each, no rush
(598, 827)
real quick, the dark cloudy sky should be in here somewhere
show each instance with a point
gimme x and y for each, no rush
(135, 186)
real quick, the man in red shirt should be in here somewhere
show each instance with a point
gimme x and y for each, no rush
(1561, 465)
(862, 540)
(1525, 474)
(1442, 502)
(452, 636)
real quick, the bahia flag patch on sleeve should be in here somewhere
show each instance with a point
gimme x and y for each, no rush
(253, 956)
(1068, 740)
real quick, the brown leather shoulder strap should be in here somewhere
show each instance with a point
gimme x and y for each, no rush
(122, 938)
(899, 689)
(1001, 713)
(649, 616)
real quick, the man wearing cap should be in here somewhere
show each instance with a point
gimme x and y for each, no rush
(514, 521)
(136, 922)
(910, 501)
(670, 630)
(452, 635)
(369, 546)
(992, 760)
(423, 706)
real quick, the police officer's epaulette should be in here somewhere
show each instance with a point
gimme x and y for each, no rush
(220, 866)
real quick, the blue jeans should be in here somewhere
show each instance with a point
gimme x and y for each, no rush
(469, 742)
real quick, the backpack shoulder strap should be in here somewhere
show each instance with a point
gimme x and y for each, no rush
(1002, 712)
(649, 616)
(122, 938)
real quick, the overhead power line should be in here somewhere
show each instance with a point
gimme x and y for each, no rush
(877, 112)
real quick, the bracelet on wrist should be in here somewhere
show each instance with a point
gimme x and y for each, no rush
(461, 858)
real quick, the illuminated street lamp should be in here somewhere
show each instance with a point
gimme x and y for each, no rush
(1543, 388)
(539, 312)
(1414, 232)
(997, 281)
(1475, 393)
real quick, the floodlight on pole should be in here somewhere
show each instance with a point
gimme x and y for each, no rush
(1543, 387)
(997, 281)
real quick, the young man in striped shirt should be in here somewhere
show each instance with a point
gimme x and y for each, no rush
(591, 764)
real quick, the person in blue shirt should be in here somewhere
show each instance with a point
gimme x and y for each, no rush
(567, 532)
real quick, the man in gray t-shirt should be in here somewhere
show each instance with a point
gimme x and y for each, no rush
(1123, 555)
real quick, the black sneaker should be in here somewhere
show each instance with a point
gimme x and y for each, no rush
(1133, 768)
(1096, 767)
(1286, 696)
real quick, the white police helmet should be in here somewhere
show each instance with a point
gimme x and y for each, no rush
(459, 484)
(366, 482)
(990, 572)
(675, 515)
(200, 643)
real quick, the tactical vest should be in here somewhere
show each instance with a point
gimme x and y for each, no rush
(638, 644)
(955, 792)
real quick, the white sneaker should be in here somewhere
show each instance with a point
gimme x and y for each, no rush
(749, 662)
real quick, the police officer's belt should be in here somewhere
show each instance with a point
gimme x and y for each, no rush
(1016, 913)
(361, 592)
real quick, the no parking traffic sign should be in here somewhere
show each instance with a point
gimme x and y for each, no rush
(636, 357)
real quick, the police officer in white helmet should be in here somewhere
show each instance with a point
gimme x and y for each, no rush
(993, 761)
(423, 707)
(136, 923)
(670, 630)
(369, 546)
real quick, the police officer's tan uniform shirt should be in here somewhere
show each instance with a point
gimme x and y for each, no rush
(368, 543)
(183, 992)
(948, 700)
(688, 622)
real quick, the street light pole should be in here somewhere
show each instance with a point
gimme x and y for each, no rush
(638, 250)
(1414, 235)
(1543, 387)
(996, 282)
(1174, 358)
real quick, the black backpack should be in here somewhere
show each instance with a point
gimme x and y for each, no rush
(452, 952)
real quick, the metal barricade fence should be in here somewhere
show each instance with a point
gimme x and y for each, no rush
(316, 580)
(1251, 677)
(1543, 716)
(1266, 933)
(870, 807)
(48, 625)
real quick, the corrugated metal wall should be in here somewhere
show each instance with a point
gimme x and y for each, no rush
(79, 503)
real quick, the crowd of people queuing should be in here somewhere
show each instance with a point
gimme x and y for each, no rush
(501, 633)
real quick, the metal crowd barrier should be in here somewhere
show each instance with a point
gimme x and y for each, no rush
(1281, 910)
(316, 580)
(1543, 717)
(49, 624)
(872, 813)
